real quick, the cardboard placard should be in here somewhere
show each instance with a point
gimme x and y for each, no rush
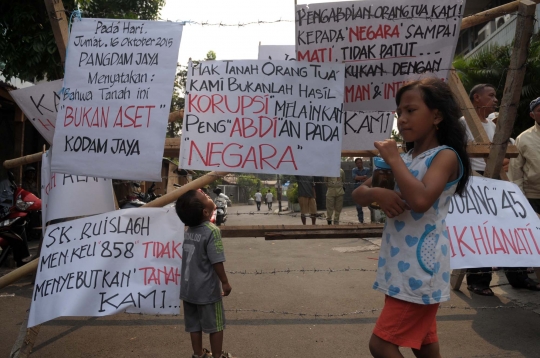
(362, 129)
(277, 117)
(127, 260)
(492, 225)
(384, 43)
(115, 100)
(39, 104)
(66, 195)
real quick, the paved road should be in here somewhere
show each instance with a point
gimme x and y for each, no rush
(296, 314)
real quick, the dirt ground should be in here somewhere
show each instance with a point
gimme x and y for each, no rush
(318, 303)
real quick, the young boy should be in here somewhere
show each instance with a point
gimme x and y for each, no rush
(202, 273)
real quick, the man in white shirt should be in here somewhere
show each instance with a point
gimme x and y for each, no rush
(484, 100)
(269, 197)
(258, 199)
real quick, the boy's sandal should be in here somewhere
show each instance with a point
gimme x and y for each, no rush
(482, 291)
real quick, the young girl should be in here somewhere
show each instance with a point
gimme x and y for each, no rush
(414, 262)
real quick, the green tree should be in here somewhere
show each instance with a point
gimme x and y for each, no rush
(292, 193)
(492, 65)
(27, 46)
(248, 184)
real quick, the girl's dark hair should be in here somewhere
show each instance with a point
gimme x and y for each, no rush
(189, 209)
(438, 95)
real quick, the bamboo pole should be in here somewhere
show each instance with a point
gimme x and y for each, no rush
(196, 184)
(59, 24)
(36, 157)
(19, 273)
(30, 267)
(491, 14)
(19, 162)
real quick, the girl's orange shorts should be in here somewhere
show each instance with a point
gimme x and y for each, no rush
(407, 324)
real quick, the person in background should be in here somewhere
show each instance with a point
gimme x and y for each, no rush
(484, 100)
(525, 169)
(269, 198)
(204, 280)
(258, 199)
(29, 180)
(359, 175)
(306, 198)
(334, 196)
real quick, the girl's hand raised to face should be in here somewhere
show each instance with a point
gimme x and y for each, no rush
(387, 149)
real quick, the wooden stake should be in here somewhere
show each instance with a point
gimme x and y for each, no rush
(490, 14)
(19, 273)
(512, 87)
(59, 23)
(18, 162)
(19, 141)
(323, 234)
(264, 230)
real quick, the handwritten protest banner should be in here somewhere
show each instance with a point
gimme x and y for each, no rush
(362, 129)
(115, 99)
(67, 195)
(277, 52)
(493, 224)
(383, 42)
(279, 117)
(39, 104)
(126, 260)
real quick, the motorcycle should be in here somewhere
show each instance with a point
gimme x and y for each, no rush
(221, 201)
(150, 193)
(14, 220)
(138, 199)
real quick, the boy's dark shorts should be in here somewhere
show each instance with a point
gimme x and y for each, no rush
(208, 318)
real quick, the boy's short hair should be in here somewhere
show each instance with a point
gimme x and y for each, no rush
(357, 159)
(189, 208)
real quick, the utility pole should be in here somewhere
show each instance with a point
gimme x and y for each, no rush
(279, 192)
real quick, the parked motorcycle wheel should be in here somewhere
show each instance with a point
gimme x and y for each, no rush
(219, 220)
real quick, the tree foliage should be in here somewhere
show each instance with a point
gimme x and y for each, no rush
(492, 65)
(27, 46)
(292, 193)
(248, 184)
